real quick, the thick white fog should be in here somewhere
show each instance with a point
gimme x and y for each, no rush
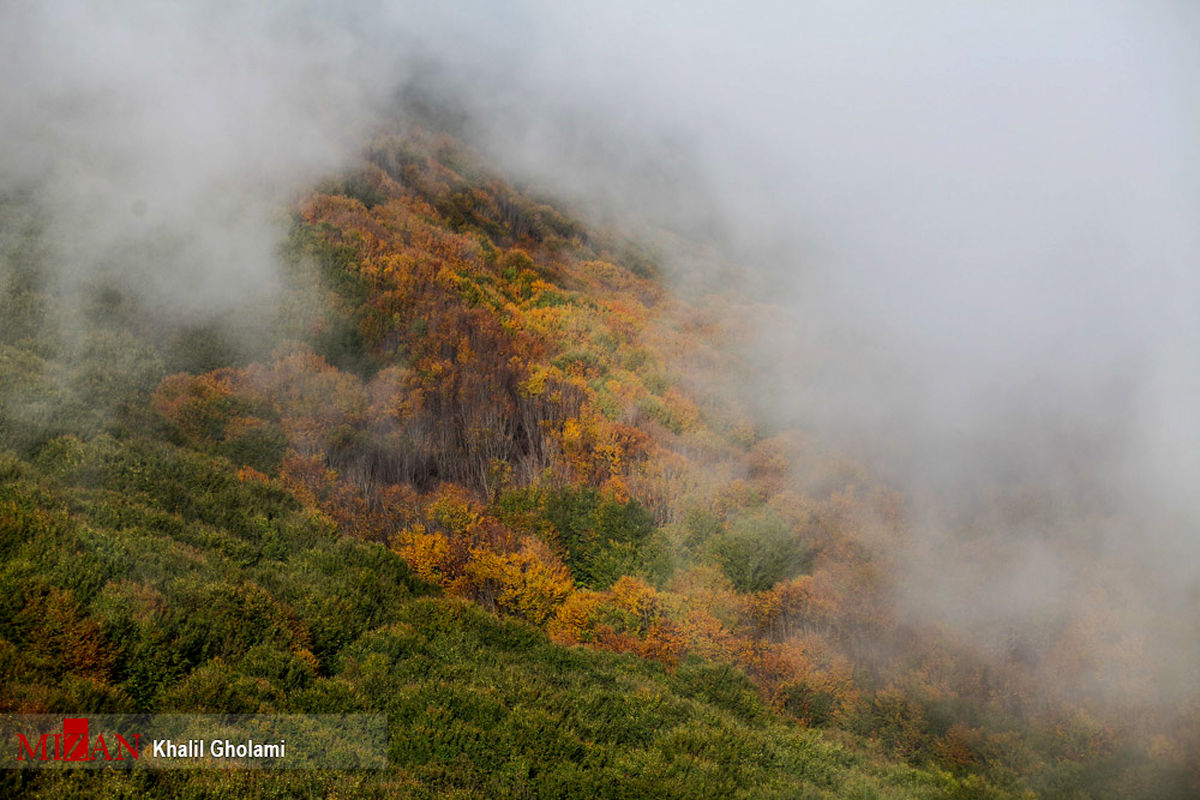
(980, 217)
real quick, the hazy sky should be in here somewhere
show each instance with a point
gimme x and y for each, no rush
(982, 217)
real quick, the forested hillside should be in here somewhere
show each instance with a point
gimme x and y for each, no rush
(478, 468)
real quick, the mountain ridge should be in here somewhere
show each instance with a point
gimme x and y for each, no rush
(469, 400)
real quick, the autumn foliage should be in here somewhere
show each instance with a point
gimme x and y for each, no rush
(533, 424)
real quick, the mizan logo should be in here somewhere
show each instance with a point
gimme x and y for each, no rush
(75, 744)
(181, 741)
(81, 742)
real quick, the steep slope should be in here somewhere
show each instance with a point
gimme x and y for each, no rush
(472, 436)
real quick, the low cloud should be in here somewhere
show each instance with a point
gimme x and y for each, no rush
(980, 220)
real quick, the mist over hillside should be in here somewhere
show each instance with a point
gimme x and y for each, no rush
(963, 238)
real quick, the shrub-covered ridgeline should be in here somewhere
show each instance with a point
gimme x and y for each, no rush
(479, 471)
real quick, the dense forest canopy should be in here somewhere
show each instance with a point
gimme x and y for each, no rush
(466, 396)
(622, 417)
